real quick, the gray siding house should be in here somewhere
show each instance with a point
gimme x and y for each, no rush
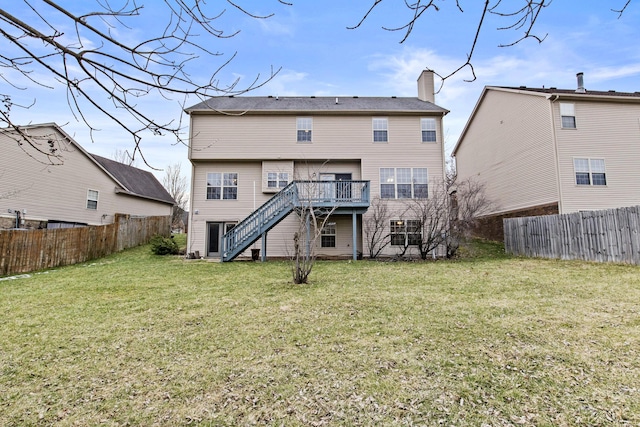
(549, 150)
(245, 151)
(74, 188)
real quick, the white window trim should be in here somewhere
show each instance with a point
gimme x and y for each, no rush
(568, 110)
(222, 186)
(299, 121)
(590, 171)
(384, 120)
(425, 120)
(91, 199)
(404, 232)
(334, 234)
(278, 180)
(395, 182)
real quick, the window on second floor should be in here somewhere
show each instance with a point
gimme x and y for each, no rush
(568, 115)
(277, 179)
(404, 183)
(92, 199)
(428, 130)
(590, 171)
(304, 126)
(222, 186)
(380, 131)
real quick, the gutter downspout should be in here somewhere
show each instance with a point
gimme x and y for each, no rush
(552, 100)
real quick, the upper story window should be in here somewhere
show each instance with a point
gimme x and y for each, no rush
(304, 126)
(222, 186)
(380, 131)
(428, 130)
(568, 115)
(404, 183)
(92, 199)
(590, 171)
(277, 180)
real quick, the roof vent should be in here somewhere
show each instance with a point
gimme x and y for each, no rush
(337, 101)
(523, 87)
(355, 96)
(313, 96)
(394, 97)
(612, 91)
(581, 89)
(553, 88)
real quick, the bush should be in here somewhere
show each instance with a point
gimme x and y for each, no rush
(164, 245)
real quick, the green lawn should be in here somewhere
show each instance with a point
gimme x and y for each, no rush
(137, 339)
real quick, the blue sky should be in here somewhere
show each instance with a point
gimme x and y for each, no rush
(318, 55)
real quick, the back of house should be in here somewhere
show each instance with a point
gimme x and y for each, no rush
(245, 149)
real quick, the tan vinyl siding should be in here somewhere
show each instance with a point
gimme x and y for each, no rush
(59, 192)
(509, 147)
(274, 137)
(251, 144)
(604, 130)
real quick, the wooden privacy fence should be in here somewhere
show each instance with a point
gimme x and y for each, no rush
(611, 235)
(22, 251)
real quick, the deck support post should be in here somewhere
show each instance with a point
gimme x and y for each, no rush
(354, 216)
(263, 257)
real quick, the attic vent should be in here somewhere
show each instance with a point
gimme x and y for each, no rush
(394, 97)
(313, 96)
(523, 87)
(612, 91)
(553, 88)
(356, 96)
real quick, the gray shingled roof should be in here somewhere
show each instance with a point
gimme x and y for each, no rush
(311, 104)
(136, 181)
(553, 90)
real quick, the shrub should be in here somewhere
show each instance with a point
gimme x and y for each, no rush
(164, 245)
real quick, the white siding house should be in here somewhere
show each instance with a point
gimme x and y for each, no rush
(244, 150)
(76, 188)
(549, 150)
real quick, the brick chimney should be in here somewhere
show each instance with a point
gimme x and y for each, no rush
(426, 87)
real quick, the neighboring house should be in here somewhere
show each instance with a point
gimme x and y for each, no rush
(244, 150)
(547, 150)
(79, 189)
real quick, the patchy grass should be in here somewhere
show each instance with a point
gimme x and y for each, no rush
(138, 339)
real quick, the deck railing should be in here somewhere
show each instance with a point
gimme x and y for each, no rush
(317, 194)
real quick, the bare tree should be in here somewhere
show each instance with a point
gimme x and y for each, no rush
(468, 202)
(85, 53)
(123, 156)
(519, 17)
(311, 221)
(431, 218)
(446, 217)
(375, 227)
(176, 185)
